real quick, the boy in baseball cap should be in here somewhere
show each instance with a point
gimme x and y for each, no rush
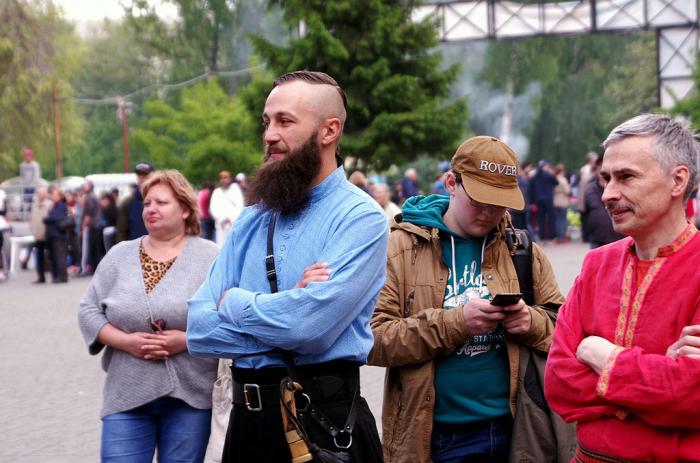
(454, 355)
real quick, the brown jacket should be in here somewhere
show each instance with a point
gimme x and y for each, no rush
(411, 329)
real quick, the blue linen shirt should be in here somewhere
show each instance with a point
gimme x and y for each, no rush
(234, 315)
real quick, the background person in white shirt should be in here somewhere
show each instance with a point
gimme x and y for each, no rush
(225, 206)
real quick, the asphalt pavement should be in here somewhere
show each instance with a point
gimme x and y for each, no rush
(51, 388)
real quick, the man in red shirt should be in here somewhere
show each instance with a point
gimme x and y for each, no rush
(625, 361)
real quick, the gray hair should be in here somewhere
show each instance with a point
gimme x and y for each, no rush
(381, 186)
(673, 144)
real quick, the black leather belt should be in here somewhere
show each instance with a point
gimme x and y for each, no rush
(256, 397)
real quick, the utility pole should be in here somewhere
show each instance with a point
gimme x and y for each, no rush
(125, 133)
(57, 132)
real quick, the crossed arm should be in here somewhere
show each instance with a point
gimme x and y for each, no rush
(610, 380)
(164, 343)
(595, 351)
(226, 320)
(660, 389)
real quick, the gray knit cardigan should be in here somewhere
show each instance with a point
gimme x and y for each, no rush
(117, 295)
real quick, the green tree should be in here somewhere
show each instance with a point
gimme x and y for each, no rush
(194, 44)
(115, 63)
(690, 107)
(389, 67)
(38, 52)
(588, 83)
(130, 58)
(211, 35)
(633, 87)
(208, 132)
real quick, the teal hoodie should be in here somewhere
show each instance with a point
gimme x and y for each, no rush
(426, 211)
(472, 384)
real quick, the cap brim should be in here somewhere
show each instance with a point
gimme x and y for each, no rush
(505, 197)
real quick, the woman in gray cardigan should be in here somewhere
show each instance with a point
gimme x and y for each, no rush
(156, 394)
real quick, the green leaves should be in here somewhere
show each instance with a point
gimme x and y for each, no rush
(690, 107)
(588, 85)
(389, 69)
(208, 132)
(38, 53)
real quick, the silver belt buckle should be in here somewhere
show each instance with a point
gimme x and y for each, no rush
(247, 397)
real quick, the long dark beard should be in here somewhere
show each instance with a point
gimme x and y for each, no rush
(283, 185)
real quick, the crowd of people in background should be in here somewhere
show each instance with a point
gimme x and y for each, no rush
(74, 229)
(560, 204)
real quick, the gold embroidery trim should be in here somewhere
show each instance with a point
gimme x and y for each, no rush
(602, 386)
(679, 242)
(639, 300)
(624, 303)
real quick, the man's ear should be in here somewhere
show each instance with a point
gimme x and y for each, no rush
(680, 176)
(330, 131)
(450, 181)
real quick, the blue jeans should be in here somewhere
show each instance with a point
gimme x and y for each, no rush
(562, 222)
(482, 442)
(180, 433)
(207, 229)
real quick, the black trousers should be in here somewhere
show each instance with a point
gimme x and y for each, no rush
(258, 437)
(41, 246)
(58, 249)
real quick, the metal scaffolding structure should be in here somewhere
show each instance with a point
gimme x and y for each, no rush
(674, 21)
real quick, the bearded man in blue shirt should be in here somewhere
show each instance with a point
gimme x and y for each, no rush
(302, 310)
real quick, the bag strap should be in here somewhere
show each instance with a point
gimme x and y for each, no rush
(520, 246)
(270, 257)
(272, 280)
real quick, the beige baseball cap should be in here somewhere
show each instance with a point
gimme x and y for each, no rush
(489, 172)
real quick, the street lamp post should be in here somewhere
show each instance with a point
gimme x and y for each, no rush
(125, 133)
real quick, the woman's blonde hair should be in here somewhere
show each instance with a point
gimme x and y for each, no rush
(183, 192)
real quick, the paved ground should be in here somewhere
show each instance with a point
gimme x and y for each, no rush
(50, 388)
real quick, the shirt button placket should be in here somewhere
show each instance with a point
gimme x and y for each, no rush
(283, 248)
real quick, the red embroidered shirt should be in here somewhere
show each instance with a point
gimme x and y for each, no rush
(644, 406)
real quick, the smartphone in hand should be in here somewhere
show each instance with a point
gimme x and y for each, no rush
(506, 299)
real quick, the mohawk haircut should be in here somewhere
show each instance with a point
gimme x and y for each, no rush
(311, 77)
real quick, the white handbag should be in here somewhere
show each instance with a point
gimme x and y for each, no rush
(221, 404)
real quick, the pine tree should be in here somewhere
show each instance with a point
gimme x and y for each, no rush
(390, 68)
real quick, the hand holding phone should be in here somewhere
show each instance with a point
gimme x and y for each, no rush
(506, 299)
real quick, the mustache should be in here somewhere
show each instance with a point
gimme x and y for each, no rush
(617, 206)
(268, 149)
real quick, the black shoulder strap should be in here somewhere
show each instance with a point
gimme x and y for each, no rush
(520, 246)
(272, 279)
(270, 257)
